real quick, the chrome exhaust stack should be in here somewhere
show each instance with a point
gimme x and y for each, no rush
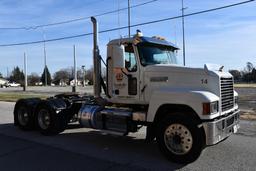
(96, 60)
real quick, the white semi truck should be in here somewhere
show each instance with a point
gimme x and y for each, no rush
(184, 109)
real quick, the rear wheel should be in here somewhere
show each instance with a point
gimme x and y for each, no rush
(179, 138)
(44, 119)
(49, 122)
(23, 116)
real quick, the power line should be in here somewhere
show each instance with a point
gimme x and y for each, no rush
(195, 13)
(75, 20)
(125, 27)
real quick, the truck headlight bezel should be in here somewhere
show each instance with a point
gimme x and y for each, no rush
(236, 101)
(210, 108)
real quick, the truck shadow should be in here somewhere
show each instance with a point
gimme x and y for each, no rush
(131, 149)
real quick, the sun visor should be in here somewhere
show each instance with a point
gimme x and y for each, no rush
(157, 41)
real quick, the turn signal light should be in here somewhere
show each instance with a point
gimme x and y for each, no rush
(206, 108)
(210, 108)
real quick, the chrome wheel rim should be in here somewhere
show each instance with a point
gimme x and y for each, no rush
(44, 119)
(23, 116)
(178, 139)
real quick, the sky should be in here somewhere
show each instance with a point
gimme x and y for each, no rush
(226, 37)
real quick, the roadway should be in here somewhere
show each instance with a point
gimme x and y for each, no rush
(87, 149)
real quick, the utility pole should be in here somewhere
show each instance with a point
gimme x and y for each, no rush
(75, 71)
(45, 62)
(25, 73)
(7, 74)
(45, 65)
(129, 19)
(83, 69)
(183, 33)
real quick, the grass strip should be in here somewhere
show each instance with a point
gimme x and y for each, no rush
(13, 97)
(245, 85)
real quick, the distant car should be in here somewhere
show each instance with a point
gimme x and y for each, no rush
(13, 84)
(3, 86)
(3, 83)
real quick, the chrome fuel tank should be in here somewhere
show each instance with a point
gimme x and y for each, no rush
(87, 116)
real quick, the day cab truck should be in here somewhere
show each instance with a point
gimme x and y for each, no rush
(184, 109)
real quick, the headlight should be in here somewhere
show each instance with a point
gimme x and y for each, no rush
(236, 100)
(210, 108)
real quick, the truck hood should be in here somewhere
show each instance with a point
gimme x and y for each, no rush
(165, 69)
(178, 77)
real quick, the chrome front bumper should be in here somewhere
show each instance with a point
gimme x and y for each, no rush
(220, 129)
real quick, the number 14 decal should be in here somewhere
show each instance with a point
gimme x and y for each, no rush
(204, 81)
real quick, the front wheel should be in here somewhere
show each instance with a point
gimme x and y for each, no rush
(179, 138)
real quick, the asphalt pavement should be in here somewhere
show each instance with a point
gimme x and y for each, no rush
(87, 149)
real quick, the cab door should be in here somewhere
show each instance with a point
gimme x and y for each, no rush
(132, 71)
(126, 80)
(123, 82)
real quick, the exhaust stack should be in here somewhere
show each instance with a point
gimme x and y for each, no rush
(96, 60)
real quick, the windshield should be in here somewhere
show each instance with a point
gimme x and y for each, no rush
(156, 54)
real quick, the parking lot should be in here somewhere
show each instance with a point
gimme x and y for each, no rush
(86, 149)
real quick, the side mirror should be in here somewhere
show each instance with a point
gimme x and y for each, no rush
(118, 56)
(127, 64)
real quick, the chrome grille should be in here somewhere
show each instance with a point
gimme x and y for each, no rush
(227, 93)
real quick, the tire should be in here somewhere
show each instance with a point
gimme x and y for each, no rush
(179, 138)
(48, 121)
(23, 116)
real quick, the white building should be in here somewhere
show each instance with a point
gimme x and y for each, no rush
(3, 81)
(79, 82)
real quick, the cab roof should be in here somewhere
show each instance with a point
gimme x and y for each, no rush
(154, 40)
(143, 39)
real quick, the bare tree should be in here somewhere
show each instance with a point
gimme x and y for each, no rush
(89, 75)
(33, 78)
(62, 75)
(236, 74)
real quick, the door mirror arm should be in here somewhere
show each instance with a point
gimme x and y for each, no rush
(127, 75)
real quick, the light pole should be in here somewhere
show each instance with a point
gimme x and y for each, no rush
(183, 33)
